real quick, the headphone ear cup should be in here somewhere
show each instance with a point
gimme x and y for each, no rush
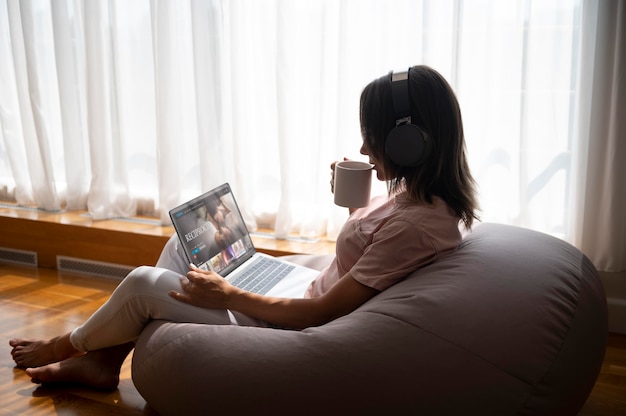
(407, 145)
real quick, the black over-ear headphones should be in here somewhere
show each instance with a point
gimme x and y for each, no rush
(406, 144)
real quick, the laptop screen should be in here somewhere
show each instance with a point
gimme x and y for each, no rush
(212, 231)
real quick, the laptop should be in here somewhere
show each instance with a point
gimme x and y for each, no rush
(214, 236)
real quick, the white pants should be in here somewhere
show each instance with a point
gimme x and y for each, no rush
(141, 297)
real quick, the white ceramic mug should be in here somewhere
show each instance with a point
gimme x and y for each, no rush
(353, 183)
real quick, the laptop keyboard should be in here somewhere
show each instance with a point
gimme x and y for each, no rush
(262, 275)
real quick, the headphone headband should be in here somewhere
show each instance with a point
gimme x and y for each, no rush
(400, 96)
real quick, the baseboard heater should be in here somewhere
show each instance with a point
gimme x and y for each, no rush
(92, 267)
(18, 257)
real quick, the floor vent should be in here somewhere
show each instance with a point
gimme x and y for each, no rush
(93, 268)
(21, 257)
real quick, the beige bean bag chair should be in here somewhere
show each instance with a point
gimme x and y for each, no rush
(513, 323)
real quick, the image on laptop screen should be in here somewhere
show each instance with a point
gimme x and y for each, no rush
(212, 231)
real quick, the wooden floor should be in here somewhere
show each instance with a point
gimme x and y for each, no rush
(608, 397)
(41, 303)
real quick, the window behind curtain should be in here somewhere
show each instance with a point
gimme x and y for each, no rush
(132, 107)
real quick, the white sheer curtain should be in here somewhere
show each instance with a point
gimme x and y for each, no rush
(125, 107)
(601, 211)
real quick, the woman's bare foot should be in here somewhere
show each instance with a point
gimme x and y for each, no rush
(35, 353)
(99, 369)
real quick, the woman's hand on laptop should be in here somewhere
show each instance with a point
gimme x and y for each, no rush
(209, 290)
(204, 288)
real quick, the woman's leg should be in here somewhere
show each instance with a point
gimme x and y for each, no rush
(173, 256)
(109, 334)
(140, 297)
(99, 369)
(35, 353)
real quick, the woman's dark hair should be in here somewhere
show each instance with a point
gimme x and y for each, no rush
(434, 108)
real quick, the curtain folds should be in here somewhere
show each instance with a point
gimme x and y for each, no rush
(126, 108)
(601, 223)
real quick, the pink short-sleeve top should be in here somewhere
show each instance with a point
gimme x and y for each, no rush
(382, 243)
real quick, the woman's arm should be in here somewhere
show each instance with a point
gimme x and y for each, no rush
(209, 290)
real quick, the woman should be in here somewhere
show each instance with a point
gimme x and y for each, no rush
(416, 224)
